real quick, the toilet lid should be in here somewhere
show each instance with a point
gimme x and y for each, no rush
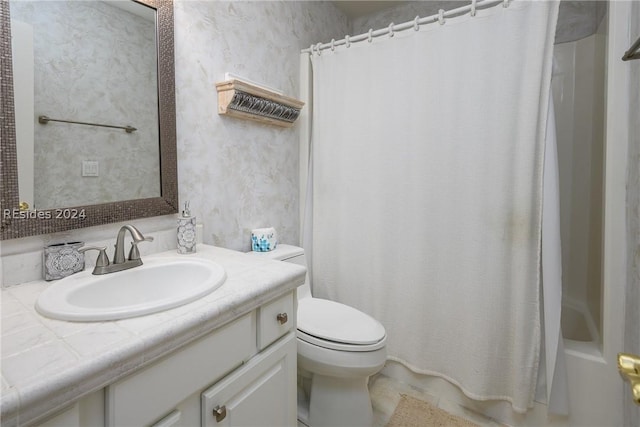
(330, 320)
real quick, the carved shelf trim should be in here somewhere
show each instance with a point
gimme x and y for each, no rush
(246, 101)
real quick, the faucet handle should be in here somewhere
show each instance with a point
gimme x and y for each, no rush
(103, 259)
(134, 253)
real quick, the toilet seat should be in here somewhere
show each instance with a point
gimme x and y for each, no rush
(330, 324)
(332, 345)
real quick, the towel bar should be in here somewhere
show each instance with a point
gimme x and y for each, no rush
(44, 120)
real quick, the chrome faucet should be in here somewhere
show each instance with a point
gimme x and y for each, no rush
(103, 266)
(134, 255)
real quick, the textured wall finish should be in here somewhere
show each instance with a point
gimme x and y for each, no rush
(241, 175)
(93, 63)
(238, 175)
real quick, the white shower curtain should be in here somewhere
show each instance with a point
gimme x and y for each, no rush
(427, 192)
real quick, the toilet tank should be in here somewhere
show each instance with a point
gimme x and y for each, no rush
(293, 254)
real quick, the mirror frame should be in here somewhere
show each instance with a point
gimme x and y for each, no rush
(15, 223)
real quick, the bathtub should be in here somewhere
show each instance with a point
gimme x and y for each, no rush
(577, 324)
(587, 370)
(579, 331)
(583, 354)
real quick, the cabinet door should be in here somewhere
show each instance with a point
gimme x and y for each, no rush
(153, 392)
(261, 393)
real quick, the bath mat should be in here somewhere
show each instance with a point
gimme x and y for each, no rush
(412, 412)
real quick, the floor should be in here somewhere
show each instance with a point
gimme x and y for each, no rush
(385, 395)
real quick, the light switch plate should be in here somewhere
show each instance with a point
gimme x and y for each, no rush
(90, 168)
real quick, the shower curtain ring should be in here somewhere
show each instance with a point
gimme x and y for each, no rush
(473, 7)
(370, 35)
(347, 41)
(318, 48)
(441, 16)
(416, 25)
(391, 30)
(333, 45)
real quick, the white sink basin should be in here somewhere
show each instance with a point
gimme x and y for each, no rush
(159, 284)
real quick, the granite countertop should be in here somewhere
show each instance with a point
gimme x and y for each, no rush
(48, 364)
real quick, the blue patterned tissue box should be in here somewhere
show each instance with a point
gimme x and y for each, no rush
(263, 239)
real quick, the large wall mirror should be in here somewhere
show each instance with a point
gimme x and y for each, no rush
(88, 114)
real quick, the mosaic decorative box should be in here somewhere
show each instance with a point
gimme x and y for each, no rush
(61, 260)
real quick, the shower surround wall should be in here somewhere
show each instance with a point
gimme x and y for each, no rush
(113, 81)
(578, 93)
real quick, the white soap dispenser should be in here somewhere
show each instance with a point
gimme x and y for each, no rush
(186, 231)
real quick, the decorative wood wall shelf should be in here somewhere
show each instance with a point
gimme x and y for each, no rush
(246, 101)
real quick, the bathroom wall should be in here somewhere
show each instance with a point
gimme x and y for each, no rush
(578, 94)
(104, 76)
(237, 174)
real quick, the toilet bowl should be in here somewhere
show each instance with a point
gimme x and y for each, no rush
(339, 348)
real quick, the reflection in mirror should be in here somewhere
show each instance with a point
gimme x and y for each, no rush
(89, 83)
(90, 62)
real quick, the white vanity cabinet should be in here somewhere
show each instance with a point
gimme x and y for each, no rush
(87, 412)
(245, 370)
(151, 393)
(262, 393)
(233, 350)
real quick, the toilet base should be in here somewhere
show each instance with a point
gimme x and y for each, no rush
(336, 384)
(339, 402)
(304, 390)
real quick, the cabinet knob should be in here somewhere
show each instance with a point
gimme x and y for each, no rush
(282, 318)
(220, 412)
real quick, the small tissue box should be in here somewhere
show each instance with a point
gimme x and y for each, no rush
(62, 260)
(263, 239)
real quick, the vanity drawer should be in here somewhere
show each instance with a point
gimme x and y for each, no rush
(275, 319)
(146, 395)
(260, 393)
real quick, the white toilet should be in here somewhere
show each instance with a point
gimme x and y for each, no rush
(339, 348)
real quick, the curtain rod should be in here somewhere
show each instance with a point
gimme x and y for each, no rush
(415, 24)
